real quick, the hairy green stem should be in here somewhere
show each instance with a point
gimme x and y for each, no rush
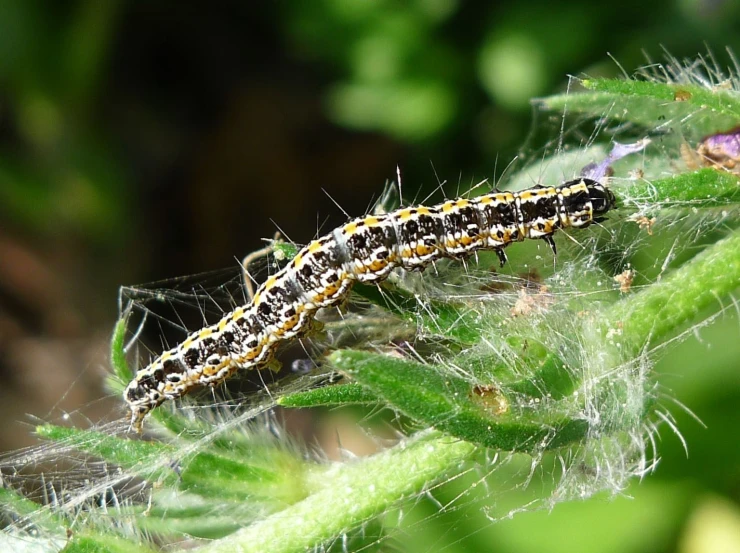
(658, 310)
(358, 492)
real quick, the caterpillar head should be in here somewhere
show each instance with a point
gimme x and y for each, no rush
(585, 201)
(602, 199)
(141, 398)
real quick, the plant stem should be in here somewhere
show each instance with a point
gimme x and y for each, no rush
(661, 308)
(358, 492)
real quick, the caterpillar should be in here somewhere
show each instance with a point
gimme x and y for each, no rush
(363, 250)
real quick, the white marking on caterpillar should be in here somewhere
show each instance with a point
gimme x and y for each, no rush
(365, 250)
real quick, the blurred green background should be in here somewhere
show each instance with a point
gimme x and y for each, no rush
(141, 140)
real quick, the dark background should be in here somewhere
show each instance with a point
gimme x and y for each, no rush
(145, 140)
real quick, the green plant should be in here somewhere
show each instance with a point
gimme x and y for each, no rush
(550, 369)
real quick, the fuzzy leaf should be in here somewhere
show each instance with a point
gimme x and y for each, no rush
(651, 104)
(722, 103)
(209, 520)
(450, 320)
(448, 403)
(661, 309)
(122, 373)
(355, 493)
(127, 453)
(204, 473)
(706, 187)
(552, 379)
(90, 542)
(329, 396)
(27, 515)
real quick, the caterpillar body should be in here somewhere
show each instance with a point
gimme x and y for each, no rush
(364, 250)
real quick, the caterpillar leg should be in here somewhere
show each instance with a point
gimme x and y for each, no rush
(501, 256)
(550, 242)
(273, 365)
(137, 419)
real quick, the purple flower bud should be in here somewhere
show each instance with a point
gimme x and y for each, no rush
(597, 171)
(721, 149)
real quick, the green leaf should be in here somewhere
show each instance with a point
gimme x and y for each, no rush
(552, 379)
(449, 320)
(648, 316)
(437, 398)
(91, 542)
(354, 493)
(122, 373)
(138, 455)
(652, 105)
(706, 187)
(27, 514)
(275, 478)
(722, 103)
(207, 519)
(329, 396)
